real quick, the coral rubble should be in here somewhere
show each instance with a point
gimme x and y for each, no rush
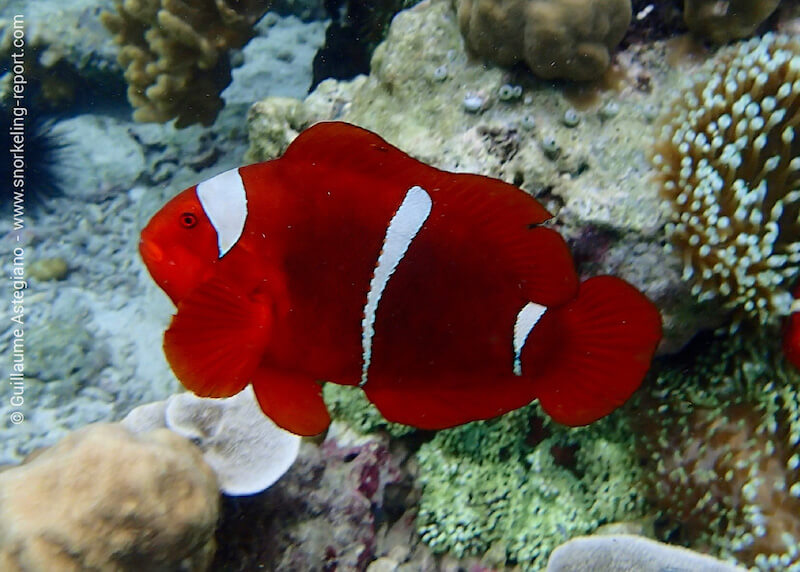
(570, 39)
(728, 161)
(175, 54)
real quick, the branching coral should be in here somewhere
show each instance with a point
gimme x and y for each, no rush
(523, 485)
(175, 53)
(570, 39)
(728, 161)
(722, 447)
(727, 20)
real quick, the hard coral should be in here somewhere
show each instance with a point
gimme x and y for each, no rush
(728, 161)
(104, 499)
(175, 53)
(722, 443)
(722, 21)
(521, 485)
(570, 39)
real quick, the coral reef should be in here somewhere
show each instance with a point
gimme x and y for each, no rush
(569, 39)
(720, 436)
(103, 499)
(176, 54)
(246, 450)
(722, 22)
(728, 161)
(620, 553)
(521, 485)
(596, 183)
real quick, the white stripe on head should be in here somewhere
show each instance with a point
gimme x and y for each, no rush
(404, 226)
(224, 201)
(527, 319)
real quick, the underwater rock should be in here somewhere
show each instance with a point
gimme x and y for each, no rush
(247, 451)
(104, 499)
(64, 352)
(48, 269)
(598, 186)
(116, 169)
(624, 552)
(325, 514)
(277, 60)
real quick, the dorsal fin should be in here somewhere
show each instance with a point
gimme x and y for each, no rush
(484, 207)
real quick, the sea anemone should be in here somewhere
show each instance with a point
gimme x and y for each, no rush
(727, 161)
(721, 451)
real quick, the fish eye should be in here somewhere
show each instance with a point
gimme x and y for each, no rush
(188, 220)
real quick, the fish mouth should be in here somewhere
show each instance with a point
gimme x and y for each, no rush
(151, 253)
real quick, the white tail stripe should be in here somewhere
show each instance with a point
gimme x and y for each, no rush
(224, 201)
(526, 321)
(404, 226)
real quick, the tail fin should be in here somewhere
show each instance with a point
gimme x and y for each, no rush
(594, 351)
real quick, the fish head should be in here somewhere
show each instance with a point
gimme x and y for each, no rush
(179, 245)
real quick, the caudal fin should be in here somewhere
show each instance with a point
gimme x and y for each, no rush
(589, 355)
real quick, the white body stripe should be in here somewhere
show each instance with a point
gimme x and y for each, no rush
(526, 321)
(402, 229)
(224, 201)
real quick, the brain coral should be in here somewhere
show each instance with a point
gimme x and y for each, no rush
(728, 165)
(722, 444)
(725, 21)
(175, 53)
(570, 39)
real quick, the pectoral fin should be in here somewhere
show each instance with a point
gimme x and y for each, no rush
(217, 338)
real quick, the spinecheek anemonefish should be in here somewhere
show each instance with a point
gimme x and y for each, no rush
(439, 294)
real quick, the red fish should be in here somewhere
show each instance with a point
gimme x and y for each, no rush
(439, 294)
(791, 337)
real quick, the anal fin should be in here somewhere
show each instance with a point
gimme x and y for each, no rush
(448, 400)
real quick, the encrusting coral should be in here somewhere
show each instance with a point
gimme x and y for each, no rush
(175, 53)
(728, 162)
(720, 438)
(721, 22)
(568, 39)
